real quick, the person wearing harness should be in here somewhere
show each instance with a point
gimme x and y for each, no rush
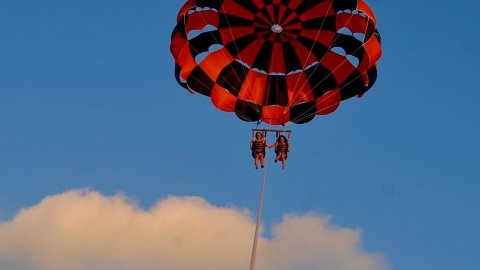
(258, 149)
(282, 147)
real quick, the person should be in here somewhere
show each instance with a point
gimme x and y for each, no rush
(282, 147)
(258, 149)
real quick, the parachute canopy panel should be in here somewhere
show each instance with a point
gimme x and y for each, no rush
(276, 61)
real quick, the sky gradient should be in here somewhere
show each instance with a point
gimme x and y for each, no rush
(88, 100)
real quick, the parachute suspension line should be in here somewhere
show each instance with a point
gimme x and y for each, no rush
(244, 72)
(203, 84)
(309, 54)
(196, 78)
(259, 217)
(309, 112)
(224, 54)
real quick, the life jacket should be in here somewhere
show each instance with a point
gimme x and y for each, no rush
(258, 146)
(281, 148)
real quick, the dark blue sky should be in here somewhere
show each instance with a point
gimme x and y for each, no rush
(88, 99)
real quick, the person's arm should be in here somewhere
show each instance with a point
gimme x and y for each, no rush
(288, 146)
(271, 145)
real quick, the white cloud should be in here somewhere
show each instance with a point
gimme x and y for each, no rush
(80, 230)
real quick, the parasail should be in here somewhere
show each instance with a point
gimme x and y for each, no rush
(276, 61)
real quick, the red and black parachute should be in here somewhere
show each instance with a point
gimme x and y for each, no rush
(276, 61)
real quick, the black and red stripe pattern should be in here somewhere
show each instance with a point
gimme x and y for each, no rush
(276, 60)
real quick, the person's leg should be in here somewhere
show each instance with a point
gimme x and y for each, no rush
(284, 160)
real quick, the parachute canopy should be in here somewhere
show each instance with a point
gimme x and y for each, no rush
(276, 61)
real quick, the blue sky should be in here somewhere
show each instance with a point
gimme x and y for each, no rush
(88, 100)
